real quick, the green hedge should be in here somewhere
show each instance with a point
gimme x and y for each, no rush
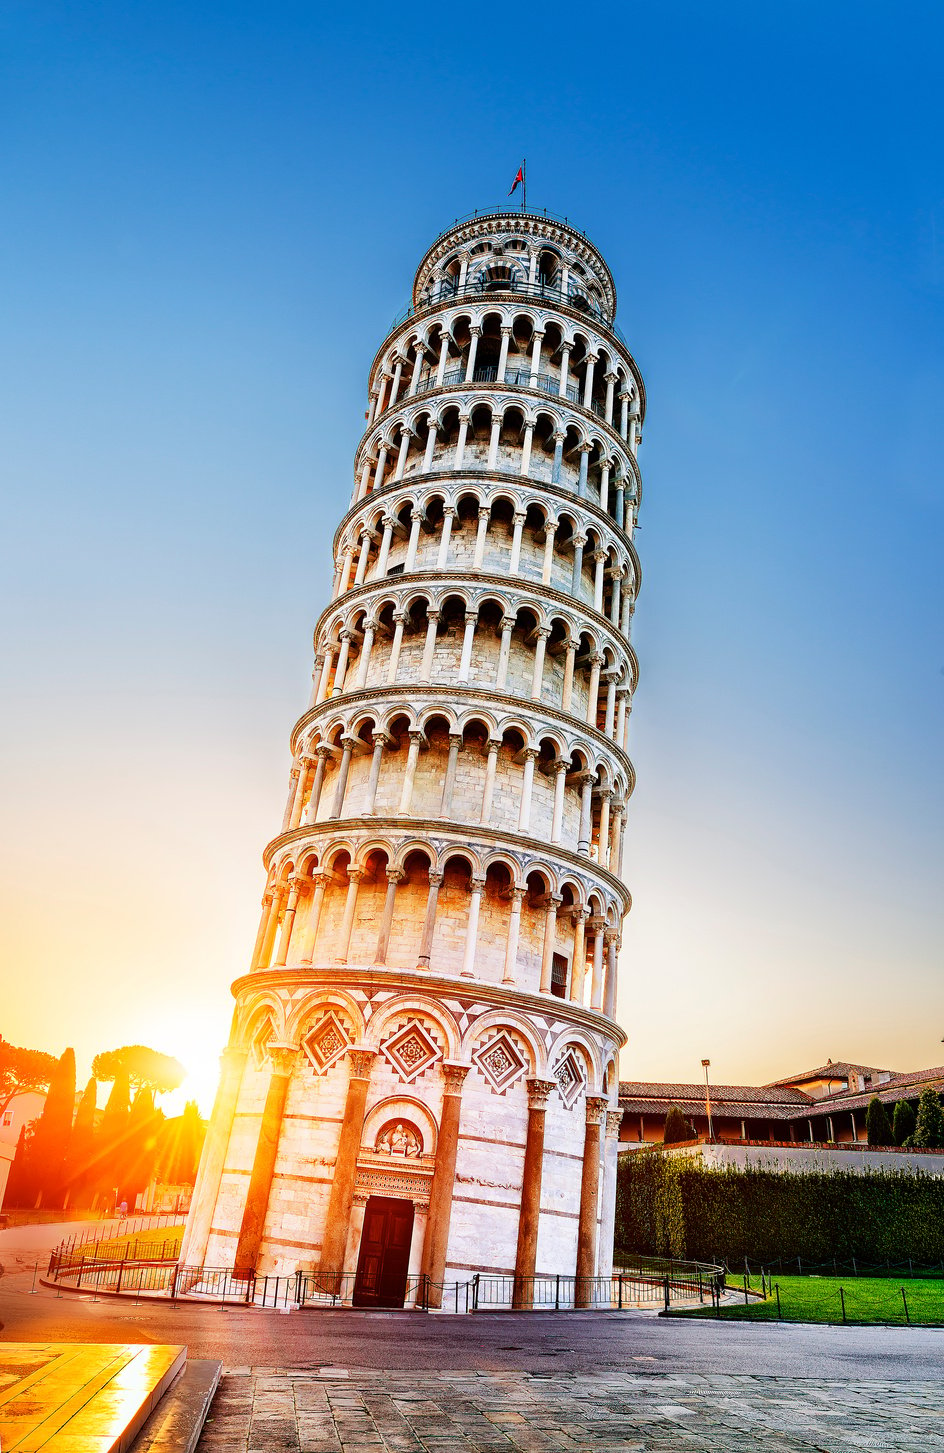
(666, 1206)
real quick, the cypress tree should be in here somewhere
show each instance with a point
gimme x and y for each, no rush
(81, 1145)
(111, 1138)
(676, 1127)
(929, 1128)
(138, 1159)
(877, 1128)
(903, 1122)
(53, 1131)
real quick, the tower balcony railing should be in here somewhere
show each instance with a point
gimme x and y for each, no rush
(547, 383)
(447, 290)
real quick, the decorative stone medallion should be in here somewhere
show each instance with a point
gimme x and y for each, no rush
(326, 1042)
(570, 1078)
(411, 1051)
(500, 1061)
(260, 1044)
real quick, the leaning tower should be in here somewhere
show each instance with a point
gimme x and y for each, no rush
(421, 1078)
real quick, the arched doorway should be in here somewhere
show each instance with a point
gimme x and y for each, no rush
(384, 1259)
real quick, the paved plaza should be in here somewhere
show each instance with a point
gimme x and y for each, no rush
(320, 1381)
(267, 1411)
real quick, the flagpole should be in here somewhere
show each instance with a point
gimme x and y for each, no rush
(524, 185)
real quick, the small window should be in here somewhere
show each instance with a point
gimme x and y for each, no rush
(7, 1119)
(559, 976)
(396, 569)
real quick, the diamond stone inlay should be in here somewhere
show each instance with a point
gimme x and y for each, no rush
(411, 1051)
(500, 1062)
(570, 1078)
(326, 1042)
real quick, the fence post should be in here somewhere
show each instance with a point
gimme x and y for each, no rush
(842, 1299)
(665, 1291)
(557, 1294)
(905, 1301)
(475, 1292)
(779, 1317)
(621, 1291)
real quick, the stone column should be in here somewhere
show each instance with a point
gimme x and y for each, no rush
(589, 1199)
(564, 371)
(584, 471)
(596, 661)
(288, 922)
(494, 439)
(599, 561)
(491, 766)
(429, 647)
(268, 899)
(514, 934)
(554, 901)
(314, 801)
(347, 747)
(465, 660)
(578, 541)
(429, 921)
(550, 530)
(367, 539)
(567, 690)
(526, 448)
(530, 1213)
(399, 619)
(213, 1157)
(588, 380)
(460, 441)
(417, 370)
(272, 923)
(373, 781)
(560, 782)
(503, 355)
(530, 755)
(350, 907)
(605, 485)
(586, 780)
(394, 876)
(449, 781)
(540, 650)
(515, 561)
(386, 540)
(481, 532)
(443, 556)
(341, 1199)
(609, 997)
(603, 840)
(381, 469)
(282, 1060)
(536, 357)
(405, 437)
(558, 461)
(320, 882)
(614, 1119)
(436, 1241)
(624, 414)
(475, 334)
(609, 719)
(597, 926)
(341, 668)
(329, 658)
(578, 961)
(504, 651)
(293, 777)
(472, 928)
(382, 393)
(304, 771)
(611, 380)
(367, 645)
(409, 775)
(432, 434)
(409, 564)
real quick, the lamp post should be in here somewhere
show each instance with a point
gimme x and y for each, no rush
(704, 1064)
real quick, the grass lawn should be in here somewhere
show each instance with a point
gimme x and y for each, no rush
(160, 1238)
(816, 1299)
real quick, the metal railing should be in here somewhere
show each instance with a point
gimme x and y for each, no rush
(447, 291)
(645, 1281)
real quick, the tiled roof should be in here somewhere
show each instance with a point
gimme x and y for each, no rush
(746, 1102)
(907, 1086)
(839, 1069)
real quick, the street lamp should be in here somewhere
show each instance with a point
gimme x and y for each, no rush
(704, 1064)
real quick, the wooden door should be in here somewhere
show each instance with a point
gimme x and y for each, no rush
(384, 1260)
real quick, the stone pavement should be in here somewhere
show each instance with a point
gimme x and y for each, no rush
(259, 1410)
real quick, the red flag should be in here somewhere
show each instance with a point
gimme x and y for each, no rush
(519, 177)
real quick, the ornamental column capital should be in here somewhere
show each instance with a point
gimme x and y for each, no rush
(614, 1119)
(596, 1109)
(395, 875)
(281, 1057)
(454, 1074)
(538, 1091)
(361, 1059)
(356, 875)
(435, 879)
(476, 883)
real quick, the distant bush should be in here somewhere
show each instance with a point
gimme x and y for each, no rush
(670, 1206)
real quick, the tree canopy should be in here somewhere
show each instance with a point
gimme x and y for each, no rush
(146, 1068)
(23, 1069)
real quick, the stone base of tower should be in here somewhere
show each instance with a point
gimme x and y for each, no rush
(430, 1126)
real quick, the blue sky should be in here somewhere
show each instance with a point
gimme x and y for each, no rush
(210, 216)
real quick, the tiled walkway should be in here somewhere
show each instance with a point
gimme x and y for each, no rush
(327, 1410)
